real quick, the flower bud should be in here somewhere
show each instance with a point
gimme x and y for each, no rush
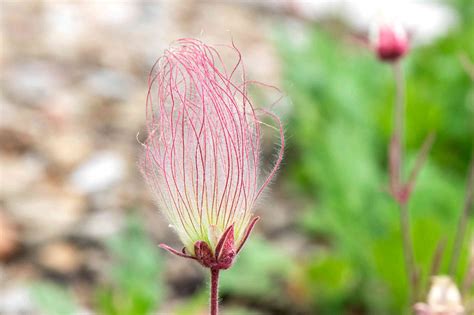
(389, 40)
(444, 298)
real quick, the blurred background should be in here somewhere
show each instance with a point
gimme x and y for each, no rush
(78, 229)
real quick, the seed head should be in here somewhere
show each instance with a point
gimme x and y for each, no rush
(202, 155)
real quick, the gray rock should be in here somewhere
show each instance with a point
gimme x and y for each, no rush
(18, 174)
(101, 171)
(33, 82)
(109, 84)
(16, 300)
(101, 225)
(46, 212)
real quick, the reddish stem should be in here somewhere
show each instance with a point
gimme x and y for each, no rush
(408, 252)
(397, 173)
(399, 119)
(214, 291)
(463, 220)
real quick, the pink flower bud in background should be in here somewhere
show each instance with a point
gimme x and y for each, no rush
(389, 40)
(202, 155)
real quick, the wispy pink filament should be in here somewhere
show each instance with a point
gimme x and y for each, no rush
(202, 157)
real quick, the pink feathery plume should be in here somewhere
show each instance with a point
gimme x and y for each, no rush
(202, 156)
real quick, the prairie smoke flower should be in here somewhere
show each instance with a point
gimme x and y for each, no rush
(202, 155)
(390, 43)
(389, 40)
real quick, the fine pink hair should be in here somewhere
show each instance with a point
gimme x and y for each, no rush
(202, 156)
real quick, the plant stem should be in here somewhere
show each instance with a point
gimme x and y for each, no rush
(214, 291)
(462, 224)
(398, 134)
(408, 253)
(399, 121)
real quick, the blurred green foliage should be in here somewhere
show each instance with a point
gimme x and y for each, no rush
(331, 277)
(52, 299)
(338, 133)
(196, 304)
(136, 285)
(259, 260)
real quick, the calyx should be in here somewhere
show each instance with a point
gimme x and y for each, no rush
(225, 252)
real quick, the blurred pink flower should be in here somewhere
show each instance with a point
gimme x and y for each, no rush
(202, 155)
(390, 41)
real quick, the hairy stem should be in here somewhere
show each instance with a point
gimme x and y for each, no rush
(398, 134)
(214, 291)
(462, 224)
